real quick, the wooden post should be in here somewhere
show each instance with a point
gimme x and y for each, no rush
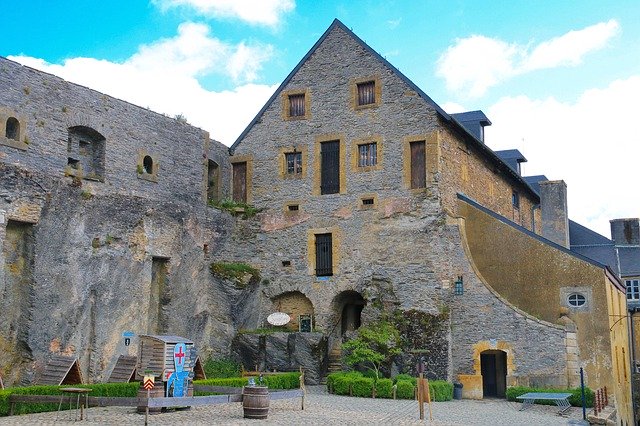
(11, 408)
(420, 397)
(146, 410)
(428, 392)
(395, 389)
(304, 390)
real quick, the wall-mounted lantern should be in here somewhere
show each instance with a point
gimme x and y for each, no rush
(458, 287)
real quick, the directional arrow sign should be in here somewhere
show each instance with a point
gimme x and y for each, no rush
(148, 383)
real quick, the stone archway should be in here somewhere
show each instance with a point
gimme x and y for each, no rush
(347, 309)
(298, 307)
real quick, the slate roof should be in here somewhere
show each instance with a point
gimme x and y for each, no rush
(448, 118)
(513, 158)
(629, 258)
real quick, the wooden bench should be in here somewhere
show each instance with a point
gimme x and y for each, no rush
(561, 399)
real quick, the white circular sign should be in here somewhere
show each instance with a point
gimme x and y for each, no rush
(278, 318)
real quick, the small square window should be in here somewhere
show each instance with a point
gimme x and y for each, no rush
(294, 163)
(366, 93)
(367, 155)
(293, 207)
(515, 199)
(296, 105)
(368, 201)
(286, 263)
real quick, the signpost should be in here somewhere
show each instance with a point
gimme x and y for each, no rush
(148, 383)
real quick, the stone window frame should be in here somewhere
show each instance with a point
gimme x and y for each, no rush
(286, 94)
(141, 169)
(336, 238)
(515, 199)
(585, 291)
(22, 143)
(377, 90)
(433, 157)
(355, 155)
(287, 204)
(317, 178)
(74, 158)
(363, 206)
(282, 160)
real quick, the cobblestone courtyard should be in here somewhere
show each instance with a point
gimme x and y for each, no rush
(324, 409)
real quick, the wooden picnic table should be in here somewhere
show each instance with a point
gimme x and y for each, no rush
(561, 399)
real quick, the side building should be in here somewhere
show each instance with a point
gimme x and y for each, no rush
(378, 202)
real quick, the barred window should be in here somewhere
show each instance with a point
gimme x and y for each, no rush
(366, 93)
(367, 155)
(294, 163)
(324, 257)
(296, 105)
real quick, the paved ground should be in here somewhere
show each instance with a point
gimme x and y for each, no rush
(324, 409)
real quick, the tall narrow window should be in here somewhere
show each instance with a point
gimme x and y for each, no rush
(324, 255)
(240, 182)
(633, 289)
(366, 93)
(13, 129)
(86, 152)
(418, 164)
(147, 164)
(367, 155)
(330, 167)
(515, 199)
(296, 105)
(294, 163)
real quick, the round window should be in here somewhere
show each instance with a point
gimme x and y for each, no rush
(576, 300)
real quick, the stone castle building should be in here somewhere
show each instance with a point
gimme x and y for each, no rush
(375, 203)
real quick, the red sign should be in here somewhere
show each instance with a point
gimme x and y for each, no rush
(148, 383)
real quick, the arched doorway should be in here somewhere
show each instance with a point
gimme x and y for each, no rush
(493, 367)
(298, 307)
(348, 305)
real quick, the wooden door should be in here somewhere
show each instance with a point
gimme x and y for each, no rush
(240, 182)
(330, 167)
(418, 163)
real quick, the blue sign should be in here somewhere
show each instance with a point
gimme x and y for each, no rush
(178, 378)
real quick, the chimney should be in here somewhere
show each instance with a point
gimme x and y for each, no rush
(625, 232)
(553, 206)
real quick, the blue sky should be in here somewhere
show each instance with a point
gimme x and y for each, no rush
(559, 80)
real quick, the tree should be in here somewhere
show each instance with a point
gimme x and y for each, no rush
(375, 345)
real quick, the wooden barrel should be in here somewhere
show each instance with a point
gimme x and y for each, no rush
(156, 392)
(255, 402)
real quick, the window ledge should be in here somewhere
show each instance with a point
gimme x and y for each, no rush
(148, 177)
(13, 143)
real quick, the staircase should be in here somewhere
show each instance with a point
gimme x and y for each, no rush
(335, 363)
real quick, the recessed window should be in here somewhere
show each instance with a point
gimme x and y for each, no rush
(515, 199)
(367, 155)
(147, 164)
(368, 201)
(293, 207)
(458, 287)
(294, 162)
(86, 153)
(576, 300)
(286, 263)
(330, 167)
(324, 255)
(296, 105)
(13, 129)
(633, 289)
(366, 93)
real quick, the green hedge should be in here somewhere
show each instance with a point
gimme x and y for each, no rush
(384, 388)
(404, 389)
(345, 383)
(575, 399)
(276, 381)
(101, 389)
(221, 368)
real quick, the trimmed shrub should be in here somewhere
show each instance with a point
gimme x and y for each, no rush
(341, 374)
(98, 389)
(441, 390)
(384, 388)
(341, 385)
(575, 399)
(404, 377)
(283, 381)
(362, 386)
(235, 382)
(404, 389)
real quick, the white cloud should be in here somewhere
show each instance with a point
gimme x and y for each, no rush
(476, 63)
(453, 108)
(580, 142)
(163, 76)
(260, 12)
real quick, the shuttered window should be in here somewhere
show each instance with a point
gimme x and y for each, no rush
(294, 163)
(330, 167)
(296, 105)
(367, 155)
(324, 255)
(366, 93)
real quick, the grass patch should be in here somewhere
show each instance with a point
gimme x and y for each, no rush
(235, 271)
(244, 210)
